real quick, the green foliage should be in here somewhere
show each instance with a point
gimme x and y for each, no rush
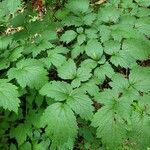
(75, 76)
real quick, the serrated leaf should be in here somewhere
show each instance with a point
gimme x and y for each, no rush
(88, 63)
(138, 49)
(9, 96)
(104, 32)
(21, 132)
(91, 33)
(89, 18)
(123, 59)
(25, 146)
(68, 36)
(16, 53)
(122, 85)
(103, 71)
(77, 50)
(145, 3)
(61, 124)
(78, 6)
(142, 25)
(108, 14)
(110, 118)
(144, 103)
(111, 47)
(57, 90)
(81, 38)
(13, 5)
(94, 49)
(139, 78)
(81, 104)
(83, 74)
(56, 59)
(112, 132)
(76, 99)
(139, 134)
(67, 70)
(29, 72)
(5, 41)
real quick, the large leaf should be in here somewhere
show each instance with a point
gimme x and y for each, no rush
(78, 6)
(9, 96)
(61, 124)
(68, 36)
(81, 104)
(139, 49)
(94, 49)
(57, 90)
(29, 72)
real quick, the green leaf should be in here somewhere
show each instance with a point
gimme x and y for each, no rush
(13, 5)
(103, 71)
(138, 49)
(29, 72)
(122, 85)
(139, 134)
(121, 31)
(4, 42)
(110, 118)
(16, 53)
(68, 36)
(108, 14)
(89, 19)
(76, 99)
(111, 47)
(57, 90)
(91, 87)
(81, 38)
(145, 3)
(61, 124)
(26, 146)
(9, 96)
(139, 78)
(88, 63)
(56, 59)
(144, 103)
(111, 130)
(67, 70)
(77, 50)
(78, 6)
(91, 33)
(21, 132)
(81, 104)
(42, 145)
(83, 74)
(142, 25)
(94, 49)
(123, 59)
(104, 32)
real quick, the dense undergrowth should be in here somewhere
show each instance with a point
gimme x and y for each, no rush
(75, 75)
